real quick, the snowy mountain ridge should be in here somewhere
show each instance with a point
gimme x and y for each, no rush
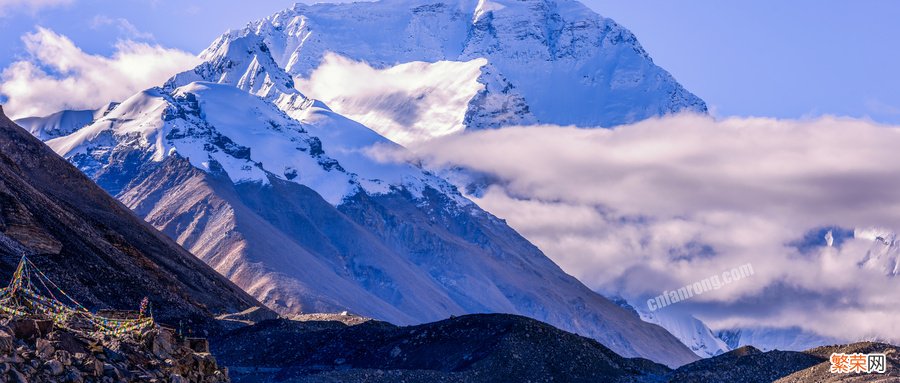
(62, 123)
(197, 121)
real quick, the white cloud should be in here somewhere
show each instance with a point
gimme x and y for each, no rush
(58, 75)
(666, 202)
(7, 6)
(124, 26)
(406, 103)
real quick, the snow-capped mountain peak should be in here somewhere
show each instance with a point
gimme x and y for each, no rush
(545, 61)
(244, 62)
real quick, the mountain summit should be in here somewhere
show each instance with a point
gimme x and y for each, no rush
(413, 70)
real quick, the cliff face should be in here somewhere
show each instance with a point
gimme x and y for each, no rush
(93, 246)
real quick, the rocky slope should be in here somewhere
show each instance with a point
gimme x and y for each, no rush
(93, 246)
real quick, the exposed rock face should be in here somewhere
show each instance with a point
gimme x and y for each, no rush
(93, 246)
(34, 351)
(472, 348)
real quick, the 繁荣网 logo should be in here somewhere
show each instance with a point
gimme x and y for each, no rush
(863, 363)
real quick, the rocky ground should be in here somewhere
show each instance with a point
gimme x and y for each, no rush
(34, 351)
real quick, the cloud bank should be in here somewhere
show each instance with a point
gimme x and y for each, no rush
(58, 75)
(666, 202)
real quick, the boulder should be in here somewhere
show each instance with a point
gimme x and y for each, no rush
(7, 343)
(200, 345)
(44, 348)
(24, 329)
(55, 367)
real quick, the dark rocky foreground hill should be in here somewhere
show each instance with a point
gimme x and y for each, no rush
(494, 348)
(471, 348)
(94, 247)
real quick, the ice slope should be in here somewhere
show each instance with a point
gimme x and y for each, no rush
(547, 61)
(298, 214)
(884, 254)
(689, 330)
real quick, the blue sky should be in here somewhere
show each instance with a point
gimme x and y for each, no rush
(753, 58)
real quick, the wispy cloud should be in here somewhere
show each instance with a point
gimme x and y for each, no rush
(59, 75)
(658, 204)
(125, 27)
(7, 7)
